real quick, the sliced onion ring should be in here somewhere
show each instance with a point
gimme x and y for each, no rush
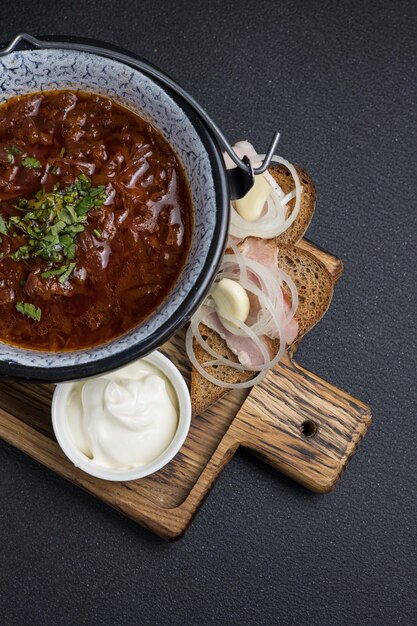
(266, 285)
(274, 220)
(189, 338)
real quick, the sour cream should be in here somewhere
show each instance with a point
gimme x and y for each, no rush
(125, 419)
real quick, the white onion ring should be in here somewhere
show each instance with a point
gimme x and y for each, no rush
(269, 287)
(244, 331)
(273, 221)
(239, 259)
(220, 383)
(266, 285)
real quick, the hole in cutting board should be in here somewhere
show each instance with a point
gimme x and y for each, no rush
(308, 428)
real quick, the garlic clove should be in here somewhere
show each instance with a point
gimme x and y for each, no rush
(231, 300)
(250, 207)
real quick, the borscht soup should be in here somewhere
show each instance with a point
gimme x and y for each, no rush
(95, 220)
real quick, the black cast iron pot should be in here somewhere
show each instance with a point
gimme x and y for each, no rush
(29, 65)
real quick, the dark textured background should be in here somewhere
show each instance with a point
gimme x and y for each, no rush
(338, 79)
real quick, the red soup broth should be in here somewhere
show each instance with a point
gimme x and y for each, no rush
(95, 220)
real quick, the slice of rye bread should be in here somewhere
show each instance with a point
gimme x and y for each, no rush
(315, 290)
(308, 200)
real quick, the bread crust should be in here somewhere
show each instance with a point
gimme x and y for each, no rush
(307, 204)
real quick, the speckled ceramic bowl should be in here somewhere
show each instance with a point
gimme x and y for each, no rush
(34, 66)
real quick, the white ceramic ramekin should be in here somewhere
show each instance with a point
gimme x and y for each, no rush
(64, 438)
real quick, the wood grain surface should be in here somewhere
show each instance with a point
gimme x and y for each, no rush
(300, 424)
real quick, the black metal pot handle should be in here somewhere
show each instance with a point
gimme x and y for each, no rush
(239, 185)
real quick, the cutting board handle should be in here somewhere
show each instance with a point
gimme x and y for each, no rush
(302, 425)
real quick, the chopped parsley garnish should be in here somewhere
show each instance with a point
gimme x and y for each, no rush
(30, 310)
(97, 232)
(62, 152)
(50, 222)
(63, 272)
(57, 272)
(64, 277)
(31, 163)
(11, 151)
(3, 226)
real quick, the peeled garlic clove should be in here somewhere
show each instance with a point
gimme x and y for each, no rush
(231, 300)
(250, 206)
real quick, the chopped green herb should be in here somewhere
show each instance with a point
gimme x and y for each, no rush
(63, 279)
(75, 228)
(31, 163)
(53, 170)
(29, 309)
(3, 226)
(61, 154)
(57, 272)
(21, 253)
(50, 223)
(11, 151)
(82, 182)
(98, 233)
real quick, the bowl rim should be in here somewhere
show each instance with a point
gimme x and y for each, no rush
(63, 435)
(27, 373)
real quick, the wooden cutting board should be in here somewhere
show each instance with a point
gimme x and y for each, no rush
(297, 422)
